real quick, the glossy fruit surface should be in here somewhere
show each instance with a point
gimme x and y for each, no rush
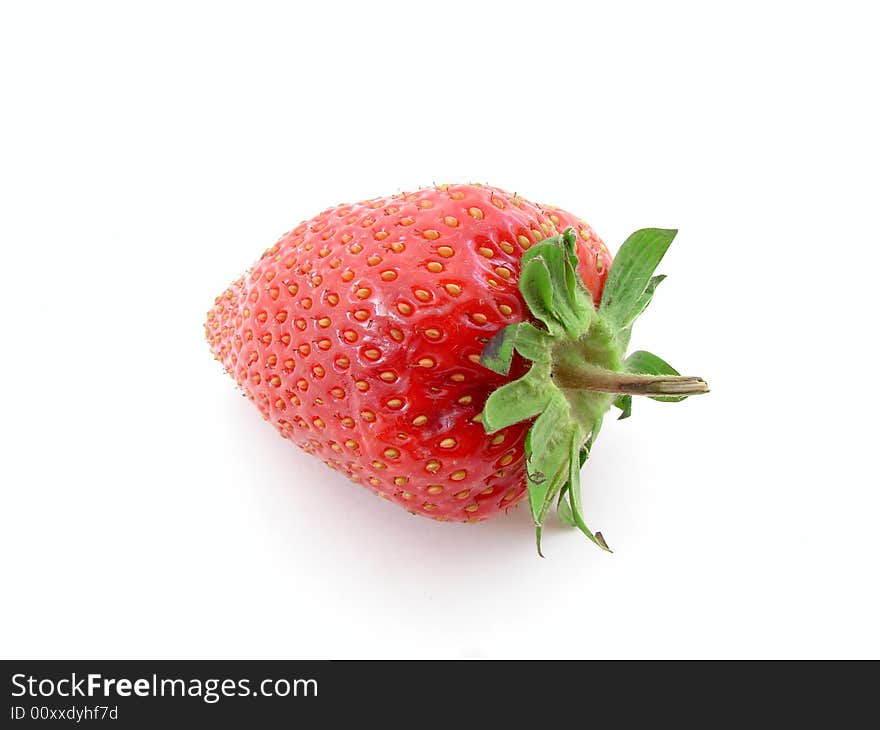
(358, 335)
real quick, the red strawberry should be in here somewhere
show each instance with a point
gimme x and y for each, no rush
(360, 333)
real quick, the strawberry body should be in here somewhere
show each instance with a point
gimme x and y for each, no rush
(358, 336)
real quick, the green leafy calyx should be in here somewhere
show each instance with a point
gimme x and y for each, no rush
(578, 364)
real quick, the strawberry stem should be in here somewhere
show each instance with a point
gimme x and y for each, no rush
(608, 381)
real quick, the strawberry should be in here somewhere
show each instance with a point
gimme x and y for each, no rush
(452, 349)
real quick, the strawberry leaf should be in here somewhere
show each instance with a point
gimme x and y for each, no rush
(570, 302)
(574, 493)
(563, 508)
(643, 301)
(532, 343)
(535, 284)
(548, 447)
(524, 338)
(498, 352)
(625, 404)
(631, 273)
(520, 400)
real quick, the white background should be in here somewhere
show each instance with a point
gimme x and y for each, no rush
(149, 152)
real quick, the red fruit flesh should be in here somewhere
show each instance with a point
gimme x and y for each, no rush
(358, 336)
